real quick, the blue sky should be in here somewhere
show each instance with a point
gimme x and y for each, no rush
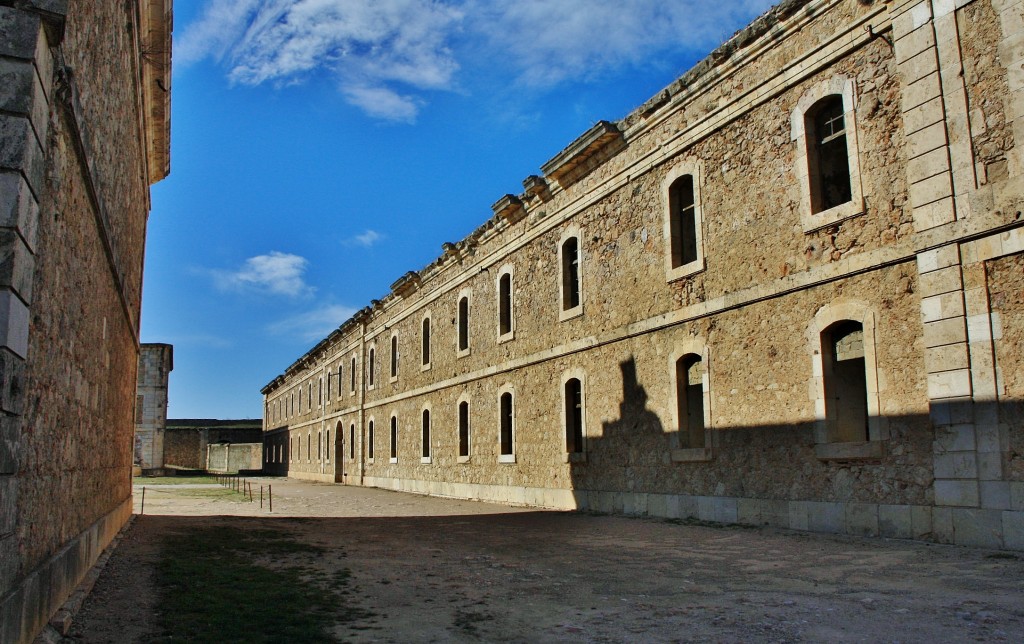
(322, 148)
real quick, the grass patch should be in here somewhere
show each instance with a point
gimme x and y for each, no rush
(230, 585)
(213, 493)
(173, 480)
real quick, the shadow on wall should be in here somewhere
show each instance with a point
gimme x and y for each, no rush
(637, 454)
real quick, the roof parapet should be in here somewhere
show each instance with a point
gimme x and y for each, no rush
(509, 208)
(407, 284)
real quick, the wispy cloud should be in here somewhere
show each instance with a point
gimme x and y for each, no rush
(366, 238)
(313, 324)
(275, 273)
(385, 54)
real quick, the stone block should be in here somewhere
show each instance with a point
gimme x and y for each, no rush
(17, 264)
(748, 511)
(989, 438)
(920, 117)
(978, 528)
(823, 516)
(634, 504)
(921, 91)
(775, 512)
(956, 493)
(17, 81)
(990, 466)
(921, 521)
(913, 18)
(18, 33)
(10, 427)
(946, 357)
(949, 384)
(944, 332)
(954, 438)
(979, 328)
(935, 259)
(930, 138)
(10, 609)
(942, 525)
(934, 214)
(931, 189)
(657, 505)
(862, 519)
(706, 508)
(8, 503)
(1017, 496)
(956, 465)
(798, 515)
(928, 165)
(995, 495)
(1013, 530)
(12, 382)
(895, 521)
(942, 306)
(917, 44)
(688, 506)
(19, 149)
(944, 280)
(18, 207)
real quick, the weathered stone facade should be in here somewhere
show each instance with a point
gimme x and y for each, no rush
(784, 291)
(84, 127)
(156, 361)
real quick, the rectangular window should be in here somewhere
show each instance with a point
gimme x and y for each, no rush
(505, 304)
(570, 274)
(394, 438)
(684, 221)
(352, 375)
(369, 440)
(370, 367)
(352, 441)
(426, 435)
(507, 445)
(463, 324)
(574, 416)
(464, 429)
(328, 444)
(394, 356)
(426, 341)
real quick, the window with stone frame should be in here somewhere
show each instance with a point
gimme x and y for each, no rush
(573, 393)
(690, 401)
(506, 305)
(394, 439)
(463, 323)
(464, 429)
(570, 256)
(683, 219)
(371, 366)
(369, 440)
(425, 436)
(352, 442)
(425, 340)
(506, 441)
(327, 443)
(846, 398)
(352, 376)
(394, 356)
(828, 156)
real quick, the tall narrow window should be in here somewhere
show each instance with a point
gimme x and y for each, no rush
(683, 214)
(507, 440)
(394, 356)
(570, 273)
(369, 440)
(370, 367)
(828, 158)
(573, 416)
(329, 383)
(319, 446)
(690, 401)
(320, 392)
(352, 377)
(505, 304)
(352, 441)
(394, 437)
(846, 399)
(463, 323)
(309, 447)
(464, 429)
(426, 434)
(309, 395)
(425, 337)
(327, 446)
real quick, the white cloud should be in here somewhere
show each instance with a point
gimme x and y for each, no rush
(370, 45)
(385, 54)
(274, 273)
(367, 238)
(314, 324)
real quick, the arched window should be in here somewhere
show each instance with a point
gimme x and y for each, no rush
(426, 435)
(327, 444)
(394, 439)
(319, 446)
(352, 376)
(570, 273)
(352, 441)
(463, 323)
(425, 337)
(369, 440)
(370, 367)
(309, 447)
(690, 401)
(464, 429)
(329, 382)
(574, 416)
(394, 356)
(846, 398)
(507, 429)
(683, 218)
(827, 154)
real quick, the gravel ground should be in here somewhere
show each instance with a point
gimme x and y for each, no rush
(432, 569)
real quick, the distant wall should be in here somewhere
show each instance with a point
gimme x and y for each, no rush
(232, 457)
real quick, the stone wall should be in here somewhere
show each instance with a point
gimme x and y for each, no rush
(185, 441)
(83, 132)
(919, 259)
(155, 364)
(231, 458)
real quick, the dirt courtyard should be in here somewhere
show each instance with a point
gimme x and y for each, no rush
(422, 569)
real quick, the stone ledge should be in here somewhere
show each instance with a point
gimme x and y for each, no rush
(692, 455)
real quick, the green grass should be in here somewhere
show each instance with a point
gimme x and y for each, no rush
(231, 585)
(213, 493)
(173, 480)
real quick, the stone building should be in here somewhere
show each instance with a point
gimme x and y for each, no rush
(155, 364)
(84, 131)
(786, 290)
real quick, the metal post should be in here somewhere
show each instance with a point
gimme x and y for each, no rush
(261, 497)
(143, 509)
(270, 496)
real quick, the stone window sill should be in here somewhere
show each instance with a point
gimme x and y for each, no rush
(425, 459)
(507, 337)
(861, 451)
(833, 215)
(574, 457)
(569, 314)
(425, 367)
(507, 458)
(393, 459)
(692, 455)
(462, 353)
(463, 459)
(686, 270)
